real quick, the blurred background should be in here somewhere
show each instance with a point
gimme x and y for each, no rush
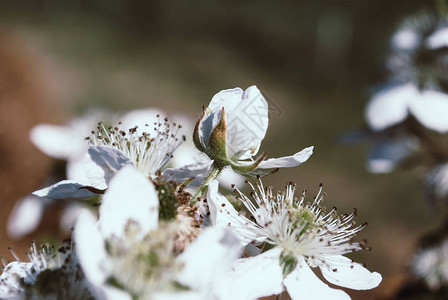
(316, 61)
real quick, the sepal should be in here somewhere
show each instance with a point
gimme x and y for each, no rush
(196, 138)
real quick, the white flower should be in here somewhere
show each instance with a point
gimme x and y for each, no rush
(302, 235)
(398, 117)
(231, 129)
(67, 142)
(431, 265)
(129, 252)
(49, 274)
(111, 150)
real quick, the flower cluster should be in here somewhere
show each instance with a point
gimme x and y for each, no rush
(408, 124)
(146, 231)
(407, 119)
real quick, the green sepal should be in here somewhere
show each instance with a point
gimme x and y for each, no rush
(288, 262)
(246, 169)
(216, 148)
(263, 172)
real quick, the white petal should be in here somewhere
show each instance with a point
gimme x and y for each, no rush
(65, 189)
(70, 215)
(405, 39)
(230, 97)
(247, 124)
(130, 196)
(76, 170)
(218, 249)
(25, 216)
(438, 39)
(102, 162)
(90, 249)
(57, 141)
(246, 115)
(224, 215)
(431, 110)
(93, 258)
(386, 154)
(287, 161)
(229, 177)
(303, 284)
(340, 270)
(390, 106)
(256, 277)
(187, 154)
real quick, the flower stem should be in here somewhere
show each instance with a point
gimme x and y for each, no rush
(214, 172)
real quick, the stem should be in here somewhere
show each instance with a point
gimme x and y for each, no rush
(214, 172)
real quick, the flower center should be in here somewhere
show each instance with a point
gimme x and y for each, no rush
(143, 266)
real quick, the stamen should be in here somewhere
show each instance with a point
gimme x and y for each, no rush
(149, 153)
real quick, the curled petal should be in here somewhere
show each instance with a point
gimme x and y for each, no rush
(340, 270)
(246, 115)
(303, 284)
(287, 161)
(247, 125)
